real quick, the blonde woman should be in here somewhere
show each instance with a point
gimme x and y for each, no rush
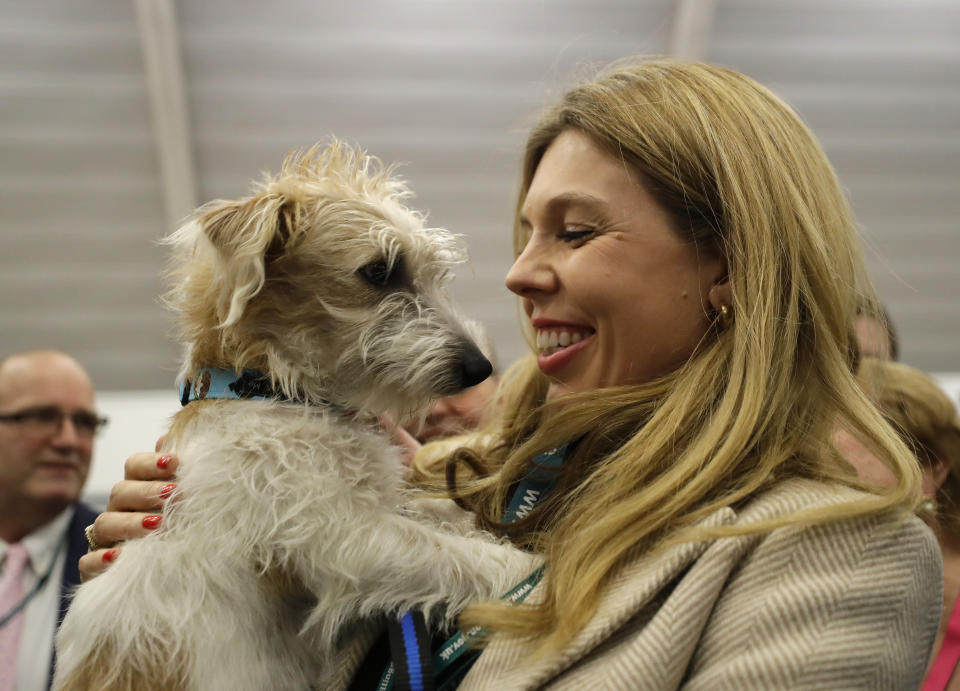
(927, 421)
(688, 270)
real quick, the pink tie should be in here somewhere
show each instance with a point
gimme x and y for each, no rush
(11, 594)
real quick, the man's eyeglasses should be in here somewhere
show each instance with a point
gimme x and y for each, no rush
(46, 421)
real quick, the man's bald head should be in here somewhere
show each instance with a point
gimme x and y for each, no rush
(18, 365)
(42, 468)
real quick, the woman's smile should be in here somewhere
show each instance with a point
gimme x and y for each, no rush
(558, 345)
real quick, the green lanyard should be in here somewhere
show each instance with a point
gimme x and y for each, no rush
(459, 643)
(536, 485)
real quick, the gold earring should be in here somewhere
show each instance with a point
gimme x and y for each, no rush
(726, 316)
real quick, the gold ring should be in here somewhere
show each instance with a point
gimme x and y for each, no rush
(91, 540)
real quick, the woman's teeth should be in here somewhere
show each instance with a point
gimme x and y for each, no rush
(552, 340)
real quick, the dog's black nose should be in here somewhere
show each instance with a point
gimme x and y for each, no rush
(474, 367)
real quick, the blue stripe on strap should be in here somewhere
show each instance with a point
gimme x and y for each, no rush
(413, 652)
(412, 667)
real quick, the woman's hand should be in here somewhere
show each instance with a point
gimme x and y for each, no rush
(133, 510)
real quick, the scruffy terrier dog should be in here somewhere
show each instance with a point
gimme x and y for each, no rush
(291, 521)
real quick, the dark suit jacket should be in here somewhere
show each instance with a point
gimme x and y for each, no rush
(76, 548)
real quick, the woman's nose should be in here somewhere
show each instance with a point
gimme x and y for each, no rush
(532, 272)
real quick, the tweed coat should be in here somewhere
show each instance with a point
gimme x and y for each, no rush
(852, 604)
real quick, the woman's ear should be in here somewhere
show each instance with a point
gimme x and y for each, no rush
(934, 475)
(720, 293)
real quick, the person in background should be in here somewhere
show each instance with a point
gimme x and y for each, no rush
(927, 420)
(455, 415)
(876, 337)
(876, 334)
(47, 426)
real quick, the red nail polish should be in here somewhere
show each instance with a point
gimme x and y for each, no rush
(166, 491)
(164, 461)
(109, 555)
(150, 522)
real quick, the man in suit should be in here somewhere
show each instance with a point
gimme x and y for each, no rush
(47, 426)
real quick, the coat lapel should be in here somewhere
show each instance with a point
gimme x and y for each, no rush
(509, 663)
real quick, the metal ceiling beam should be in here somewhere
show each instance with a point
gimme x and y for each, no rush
(163, 69)
(692, 26)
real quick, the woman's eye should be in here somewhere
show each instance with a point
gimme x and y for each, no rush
(573, 234)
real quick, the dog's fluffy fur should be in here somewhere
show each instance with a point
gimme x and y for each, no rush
(291, 521)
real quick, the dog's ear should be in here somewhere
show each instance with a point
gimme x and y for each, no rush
(248, 235)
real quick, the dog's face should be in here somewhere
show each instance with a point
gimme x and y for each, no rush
(328, 283)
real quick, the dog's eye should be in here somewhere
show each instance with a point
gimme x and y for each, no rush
(377, 273)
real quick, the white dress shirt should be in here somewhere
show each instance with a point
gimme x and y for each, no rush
(46, 546)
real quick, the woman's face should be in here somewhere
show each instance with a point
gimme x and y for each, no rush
(614, 295)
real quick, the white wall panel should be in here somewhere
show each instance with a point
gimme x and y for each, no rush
(447, 88)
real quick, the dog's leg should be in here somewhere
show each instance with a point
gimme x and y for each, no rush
(399, 563)
(175, 616)
(460, 568)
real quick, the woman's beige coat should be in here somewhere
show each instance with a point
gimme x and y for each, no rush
(853, 604)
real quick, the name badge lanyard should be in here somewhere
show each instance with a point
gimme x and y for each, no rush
(410, 631)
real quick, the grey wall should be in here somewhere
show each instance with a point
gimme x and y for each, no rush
(447, 87)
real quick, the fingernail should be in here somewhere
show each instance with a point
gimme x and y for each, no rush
(150, 522)
(166, 491)
(164, 461)
(109, 555)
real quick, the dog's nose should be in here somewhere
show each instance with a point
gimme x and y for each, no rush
(474, 367)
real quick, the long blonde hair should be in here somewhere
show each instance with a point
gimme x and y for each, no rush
(755, 403)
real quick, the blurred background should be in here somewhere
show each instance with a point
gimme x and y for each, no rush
(117, 117)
